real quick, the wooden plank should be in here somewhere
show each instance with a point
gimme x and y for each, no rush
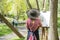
(10, 26)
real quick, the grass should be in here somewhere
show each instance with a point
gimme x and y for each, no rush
(17, 38)
(59, 31)
(4, 30)
(58, 20)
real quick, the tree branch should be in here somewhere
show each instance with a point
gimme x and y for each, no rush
(29, 4)
(37, 5)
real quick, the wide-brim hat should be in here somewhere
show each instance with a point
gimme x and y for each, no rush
(33, 13)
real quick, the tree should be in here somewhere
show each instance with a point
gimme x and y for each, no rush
(11, 26)
(19, 7)
(53, 20)
(5, 6)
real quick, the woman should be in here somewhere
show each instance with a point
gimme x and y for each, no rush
(33, 24)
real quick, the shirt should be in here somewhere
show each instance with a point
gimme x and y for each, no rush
(33, 25)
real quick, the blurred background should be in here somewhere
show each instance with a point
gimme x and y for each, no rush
(16, 10)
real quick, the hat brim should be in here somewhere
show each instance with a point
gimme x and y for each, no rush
(33, 17)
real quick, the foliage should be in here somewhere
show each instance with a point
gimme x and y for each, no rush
(58, 20)
(13, 7)
(4, 30)
(18, 8)
(5, 6)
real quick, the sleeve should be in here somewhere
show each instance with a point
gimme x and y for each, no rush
(40, 23)
(27, 24)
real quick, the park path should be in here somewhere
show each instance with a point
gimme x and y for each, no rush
(9, 36)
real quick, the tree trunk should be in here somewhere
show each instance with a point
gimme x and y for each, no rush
(44, 5)
(29, 4)
(37, 5)
(53, 20)
(10, 26)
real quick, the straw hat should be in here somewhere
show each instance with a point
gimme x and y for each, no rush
(33, 13)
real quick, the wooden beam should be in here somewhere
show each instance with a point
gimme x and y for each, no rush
(10, 26)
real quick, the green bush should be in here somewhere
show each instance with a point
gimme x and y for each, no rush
(4, 30)
(58, 20)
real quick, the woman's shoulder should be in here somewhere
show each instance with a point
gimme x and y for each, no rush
(28, 20)
(38, 19)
